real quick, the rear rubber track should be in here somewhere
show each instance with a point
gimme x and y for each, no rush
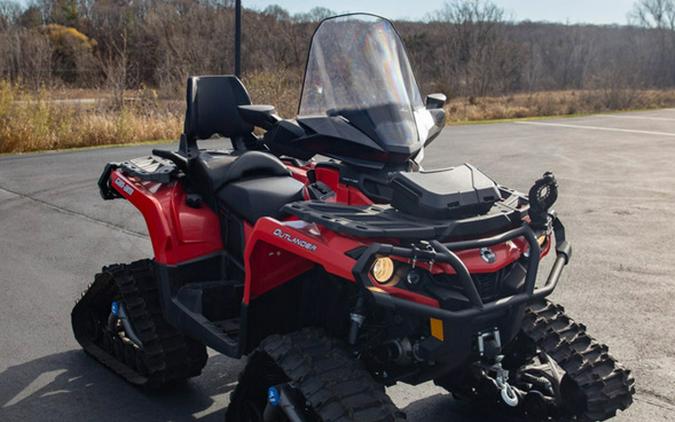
(166, 356)
(335, 385)
(604, 385)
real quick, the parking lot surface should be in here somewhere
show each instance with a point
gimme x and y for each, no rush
(617, 199)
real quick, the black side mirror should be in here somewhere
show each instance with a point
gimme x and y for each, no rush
(435, 101)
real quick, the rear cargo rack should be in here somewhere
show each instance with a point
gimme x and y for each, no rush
(150, 168)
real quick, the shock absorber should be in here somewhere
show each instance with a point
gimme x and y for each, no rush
(118, 314)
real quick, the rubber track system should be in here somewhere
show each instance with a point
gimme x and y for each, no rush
(604, 385)
(166, 355)
(335, 385)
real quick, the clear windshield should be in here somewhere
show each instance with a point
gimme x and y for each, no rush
(358, 69)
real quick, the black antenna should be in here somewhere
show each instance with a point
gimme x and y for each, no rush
(237, 38)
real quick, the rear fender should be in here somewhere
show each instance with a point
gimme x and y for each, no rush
(178, 232)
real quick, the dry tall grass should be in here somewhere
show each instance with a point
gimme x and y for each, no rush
(31, 122)
(555, 103)
(280, 89)
(35, 121)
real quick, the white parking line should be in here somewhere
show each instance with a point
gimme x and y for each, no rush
(622, 116)
(607, 129)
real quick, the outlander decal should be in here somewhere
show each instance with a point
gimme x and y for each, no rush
(294, 240)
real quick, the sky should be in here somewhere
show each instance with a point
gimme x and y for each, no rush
(565, 11)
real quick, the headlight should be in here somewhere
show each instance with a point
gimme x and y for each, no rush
(383, 269)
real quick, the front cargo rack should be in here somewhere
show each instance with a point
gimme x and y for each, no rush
(386, 222)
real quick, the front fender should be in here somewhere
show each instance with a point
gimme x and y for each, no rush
(276, 252)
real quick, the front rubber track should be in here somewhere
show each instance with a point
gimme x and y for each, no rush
(335, 386)
(604, 386)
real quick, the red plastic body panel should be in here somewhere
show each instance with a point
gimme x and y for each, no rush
(178, 233)
(344, 194)
(505, 254)
(277, 251)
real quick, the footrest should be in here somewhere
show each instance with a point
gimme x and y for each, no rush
(229, 327)
(215, 300)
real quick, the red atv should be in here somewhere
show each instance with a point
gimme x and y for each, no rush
(341, 275)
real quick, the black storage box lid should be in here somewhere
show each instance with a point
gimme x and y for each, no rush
(457, 192)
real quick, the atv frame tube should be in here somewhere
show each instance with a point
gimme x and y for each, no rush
(443, 253)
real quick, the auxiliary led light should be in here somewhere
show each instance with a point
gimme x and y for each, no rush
(383, 269)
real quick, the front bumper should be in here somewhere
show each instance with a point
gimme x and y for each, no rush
(443, 253)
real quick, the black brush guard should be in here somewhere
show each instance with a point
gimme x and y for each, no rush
(443, 253)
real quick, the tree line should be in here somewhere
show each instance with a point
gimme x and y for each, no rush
(467, 48)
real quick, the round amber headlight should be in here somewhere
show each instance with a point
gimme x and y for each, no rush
(383, 269)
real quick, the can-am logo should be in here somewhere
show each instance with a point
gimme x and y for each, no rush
(488, 256)
(126, 188)
(294, 240)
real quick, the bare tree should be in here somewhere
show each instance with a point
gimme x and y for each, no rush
(467, 48)
(316, 14)
(659, 14)
(114, 63)
(483, 60)
(10, 12)
(25, 57)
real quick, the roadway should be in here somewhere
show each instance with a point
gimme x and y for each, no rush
(617, 197)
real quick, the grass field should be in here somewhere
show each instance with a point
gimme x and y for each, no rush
(555, 103)
(62, 118)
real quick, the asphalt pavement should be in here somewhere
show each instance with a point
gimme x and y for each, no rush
(617, 199)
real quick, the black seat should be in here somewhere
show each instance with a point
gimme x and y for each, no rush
(210, 171)
(253, 198)
(252, 184)
(212, 103)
